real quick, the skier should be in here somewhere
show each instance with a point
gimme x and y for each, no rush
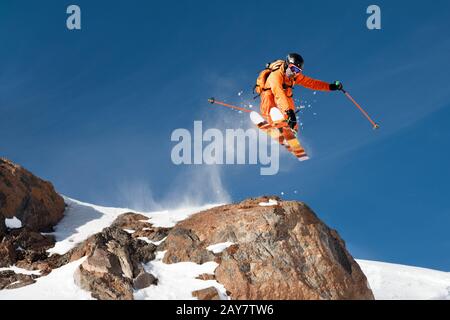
(278, 117)
(275, 84)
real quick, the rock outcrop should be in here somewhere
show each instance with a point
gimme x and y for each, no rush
(113, 267)
(11, 280)
(25, 247)
(138, 223)
(7, 254)
(272, 250)
(209, 293)
(30, 199)
(279, 252)
(114, 264)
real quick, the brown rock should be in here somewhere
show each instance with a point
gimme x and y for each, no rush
(29, 247)
(28, 239)
(32, 200)
(206, 276)
(31, 257)
(280, 252)
(136, 249)
(103, 273)
(140, 225)
(86, 248)
(116, 234)
(27, 280)
(52, 262)
(152, 233)
(143, 251)
(102, 261)
(104, 286)
(11, 280)
(41, 265)
(114, 263)
(6, 278)
(144, 280)
(7, 254)
(183, 244)
(107, 272)
(209, 293)
(132, 221)
(123, 255)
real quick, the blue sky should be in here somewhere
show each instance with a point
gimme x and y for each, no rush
(93, 110)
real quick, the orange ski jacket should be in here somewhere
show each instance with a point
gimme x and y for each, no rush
(277, 90)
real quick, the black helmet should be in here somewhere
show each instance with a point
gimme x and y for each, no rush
(295, 59)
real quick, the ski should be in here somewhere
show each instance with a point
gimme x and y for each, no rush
(282, 133)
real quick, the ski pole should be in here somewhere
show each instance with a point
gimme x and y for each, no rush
(214, 101)
(374, 124)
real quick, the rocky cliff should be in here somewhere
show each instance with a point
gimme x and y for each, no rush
(262, 248)
(31, 205)
(31, 200)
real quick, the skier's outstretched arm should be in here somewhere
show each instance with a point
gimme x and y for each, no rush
(312, 84)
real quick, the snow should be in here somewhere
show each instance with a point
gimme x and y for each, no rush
(167, 219)
(13, 223)
(58, 285)
(219, 247)
(393, 282)
(177, 280)
(81, 220)
(156, 243)
(271, 202)
(21, 270)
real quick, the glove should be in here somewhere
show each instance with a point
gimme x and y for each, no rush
(292, 119)
(337, 85)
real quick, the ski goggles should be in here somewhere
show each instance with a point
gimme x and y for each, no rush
(294, 68)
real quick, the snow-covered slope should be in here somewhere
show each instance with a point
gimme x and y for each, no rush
(58, 285)
(82, 220)
(177, 281)
(392, 281)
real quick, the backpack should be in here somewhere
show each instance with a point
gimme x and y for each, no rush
(263, 75)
